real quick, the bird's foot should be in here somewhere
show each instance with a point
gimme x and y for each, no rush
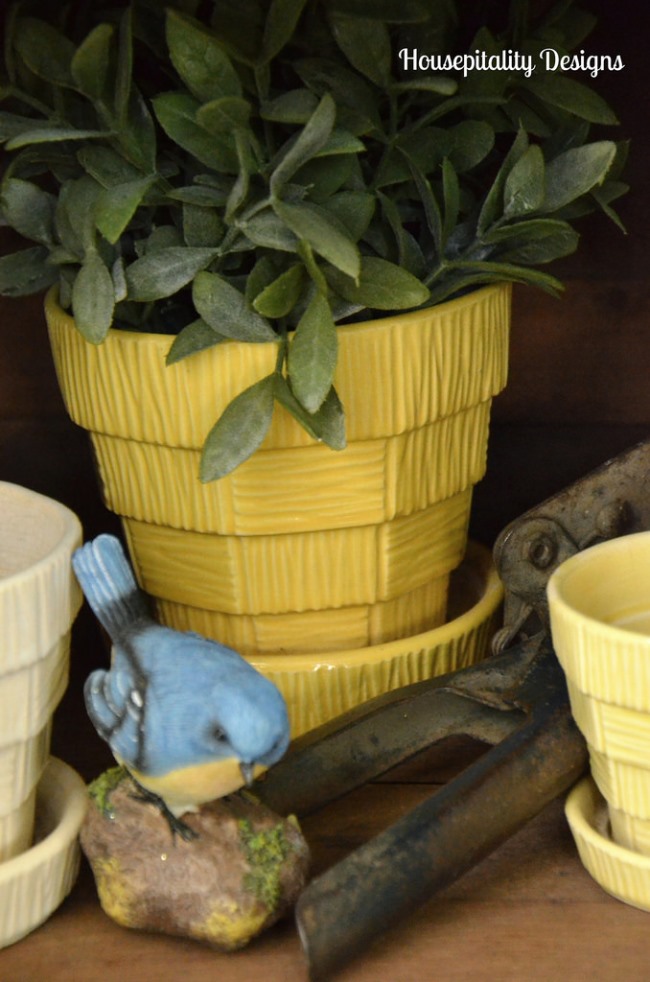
(177, 825)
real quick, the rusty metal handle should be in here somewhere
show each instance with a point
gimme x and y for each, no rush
(357, 900)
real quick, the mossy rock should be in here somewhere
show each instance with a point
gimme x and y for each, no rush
(242, 872)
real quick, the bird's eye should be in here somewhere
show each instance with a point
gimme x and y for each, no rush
(219, 734)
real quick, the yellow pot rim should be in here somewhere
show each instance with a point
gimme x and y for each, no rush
(164, 341)
(478, 559)
(572, 567)
(68, 540)
(433, 363)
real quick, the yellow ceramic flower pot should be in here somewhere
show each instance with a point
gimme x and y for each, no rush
(301, 546)
(319, 686)
(600, 619)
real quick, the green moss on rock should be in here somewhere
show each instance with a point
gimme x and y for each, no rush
(101, 789)
(265, 850)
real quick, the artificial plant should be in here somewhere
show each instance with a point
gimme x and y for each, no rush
(263, 171)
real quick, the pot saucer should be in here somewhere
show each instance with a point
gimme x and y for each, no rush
(34, 883)
(621, 872)
(320, 686)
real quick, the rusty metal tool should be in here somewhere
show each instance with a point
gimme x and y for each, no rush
(515, 701)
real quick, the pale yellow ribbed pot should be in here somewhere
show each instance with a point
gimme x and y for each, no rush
(39, 599)
(301, 548)
(599, 602)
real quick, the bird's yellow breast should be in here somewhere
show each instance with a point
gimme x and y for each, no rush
(185, 789)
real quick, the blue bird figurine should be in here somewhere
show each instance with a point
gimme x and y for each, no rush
(189, 718)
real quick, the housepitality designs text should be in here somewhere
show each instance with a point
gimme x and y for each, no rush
(509, 60)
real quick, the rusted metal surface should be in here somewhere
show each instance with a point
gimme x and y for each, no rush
(516, 701)
(341, 912)
(613, 500)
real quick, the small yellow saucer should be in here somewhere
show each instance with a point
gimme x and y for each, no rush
(621, 872)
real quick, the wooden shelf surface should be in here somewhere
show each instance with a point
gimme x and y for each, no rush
(528, 913)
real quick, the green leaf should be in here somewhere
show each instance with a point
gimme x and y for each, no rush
(327, 424)
(345, 86)
(93, 299)
(426, 148)
(176, 113)
(431, 208)
(119, 280)
(239, 26)
(525, 184)
(225, 310)
(138, 133)
(306, 253)
(239, 432)
(575, 172)
(261, 275)
(309, 141)
(222, 115)
(492, 207)
(162, 237)
(52, 134)
(269, 232)
(204, 197)
(324, 235)
(90, 64)
(469, 143)
(166, 271)
(365, 43)
(451, 197)
(341, 142)
(202, 226)
(45, 51)
(75, 214)
(12, 125)
(382, 286)
(279, 26)
(325, 175)
(200, 60)
(312, 354)
(295, 106)
(439, 84)
(28, 210)
(25, 272)
(603, 198)
(469, 273)
(280, 297)
(537, 240)
(394, 219)
(195, 337)
(572, 96)
(354, 209)
(107, 166)
(239, 190)
(117, 205)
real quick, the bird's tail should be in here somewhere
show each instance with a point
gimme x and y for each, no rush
(109, 585)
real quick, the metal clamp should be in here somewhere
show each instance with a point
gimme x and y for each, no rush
(515, 701)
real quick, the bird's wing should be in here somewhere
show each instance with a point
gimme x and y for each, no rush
(116, 702)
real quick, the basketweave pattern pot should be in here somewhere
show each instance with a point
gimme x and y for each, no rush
(359, 543)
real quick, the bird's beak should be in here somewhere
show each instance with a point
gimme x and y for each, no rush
(248, 772)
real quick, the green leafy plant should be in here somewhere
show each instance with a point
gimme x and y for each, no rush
(263, 170)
